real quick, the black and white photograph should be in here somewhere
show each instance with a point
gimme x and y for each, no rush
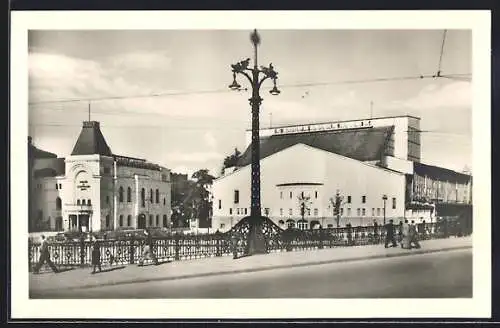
(291, 163)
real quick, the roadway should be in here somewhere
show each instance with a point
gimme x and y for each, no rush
(446, 274)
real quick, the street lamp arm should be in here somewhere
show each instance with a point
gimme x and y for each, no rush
(262, 80)
(246, 75)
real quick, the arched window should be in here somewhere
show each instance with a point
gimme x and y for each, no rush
(164, 220)
(121, 221)
(129, 220)
(150, 220)
(77, 202)
(143, 197)
(157, 196)
(107, 221)
(83, 201)
(58, 203)
(120, 194)
(157, 220)
(290, 223)
(129, 195)
(89, 202)
(164, 201)
(151, 195)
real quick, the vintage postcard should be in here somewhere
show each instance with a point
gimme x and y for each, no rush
(252, 165)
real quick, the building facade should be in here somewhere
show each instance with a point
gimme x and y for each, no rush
(373, 164)
(93, 189)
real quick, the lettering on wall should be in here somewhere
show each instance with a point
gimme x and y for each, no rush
(83, 185)
(324, 127)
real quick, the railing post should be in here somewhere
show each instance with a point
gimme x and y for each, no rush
(218, 239)
(321, 237)
(82, 250)
(131, 249)
(177, 246)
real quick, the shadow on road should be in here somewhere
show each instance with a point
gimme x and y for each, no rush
(111, 269)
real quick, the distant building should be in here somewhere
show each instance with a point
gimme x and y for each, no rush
(93, 189)
(363, 160)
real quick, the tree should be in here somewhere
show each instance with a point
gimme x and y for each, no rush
(336, 203)
(304, 204)
(231, 160)
(201, 202)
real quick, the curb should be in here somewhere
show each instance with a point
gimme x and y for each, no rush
(284, 266)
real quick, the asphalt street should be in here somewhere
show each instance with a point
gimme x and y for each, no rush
(446, 274)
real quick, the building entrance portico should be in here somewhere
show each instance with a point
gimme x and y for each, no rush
(80, 220)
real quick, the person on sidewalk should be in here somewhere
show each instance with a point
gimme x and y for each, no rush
(45, 257)
(405, 242)
(414, 236)
(389, 234)
(148, 251)
(96, 257)
(375, 232)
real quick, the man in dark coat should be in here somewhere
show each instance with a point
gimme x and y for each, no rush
(44, 257)
(148, 252)
(389, 235)
(96, 257)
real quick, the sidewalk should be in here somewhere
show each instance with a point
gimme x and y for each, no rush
(81, 278)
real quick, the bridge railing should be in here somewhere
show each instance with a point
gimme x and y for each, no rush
(183, 247)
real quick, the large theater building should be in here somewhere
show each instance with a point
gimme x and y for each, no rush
(94, 189)
(374, 164)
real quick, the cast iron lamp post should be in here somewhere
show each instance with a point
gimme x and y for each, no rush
(384, 198)
(256, 242)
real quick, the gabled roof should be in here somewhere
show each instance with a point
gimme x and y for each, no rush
(91, 141)
(364, 144)
(440, 173)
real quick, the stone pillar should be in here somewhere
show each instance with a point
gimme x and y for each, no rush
(115, 197)
(137, 200)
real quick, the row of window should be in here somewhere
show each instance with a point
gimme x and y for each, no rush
(301, 193)
(83, 202)
(143, 196)
(58, 186)
(152, 222)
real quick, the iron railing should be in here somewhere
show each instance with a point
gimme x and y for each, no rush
(181, 247)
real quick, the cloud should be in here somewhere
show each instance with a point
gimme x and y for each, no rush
(449, 95)
(194, 157)
(141, 61)
(210, 140)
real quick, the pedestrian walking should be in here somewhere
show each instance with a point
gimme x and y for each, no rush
(400, 231)
(234, 245)
(148, 251)
(96, 257)
(45, 257)
(375, 231)
(349, 234)
(389, 234)
(405, 242)
(413, 235)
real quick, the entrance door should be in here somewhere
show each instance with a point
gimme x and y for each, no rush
(141, 221)
(84, 222)
(73, 222)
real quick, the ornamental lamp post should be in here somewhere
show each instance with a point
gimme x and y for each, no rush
(384, 198)
(256, 243)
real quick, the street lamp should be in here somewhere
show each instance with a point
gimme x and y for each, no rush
(384, 198)
(256, 243)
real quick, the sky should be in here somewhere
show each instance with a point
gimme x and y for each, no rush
(201, 121)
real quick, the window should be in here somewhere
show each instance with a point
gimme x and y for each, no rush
(164, 201)
(316, 194)
(302, 194)
(220, 204)
(281, 212)
(348, 199)
(106, 170)
(120, 194)
(281, 194)
(330, 225)
(238, 211)
(83, 201)
(143, 197)
(150, 220)
(89, 202)
(57, 186)
(129, 220)
(151, 195)
(107, 199)
(281, 222)
(222, 225)
(164, 220)
(363, 212)
(315, 212)
(236, 196)
(394, 203)
(245, 210)
(290, 223)
(58, 203)
(121, 221)
(157, 196)
(308, 212)
(230, 211)
(107, 221)
(60, 186)
(290, 211)
(157, 220)
(290, 195)
(358, 212)
(373, 212)
(129, 195)
(341, 211)
(266, 211)
(378, 211)
(363, 199)
(77, 202)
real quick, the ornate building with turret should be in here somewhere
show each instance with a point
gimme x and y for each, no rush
(93, 189)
